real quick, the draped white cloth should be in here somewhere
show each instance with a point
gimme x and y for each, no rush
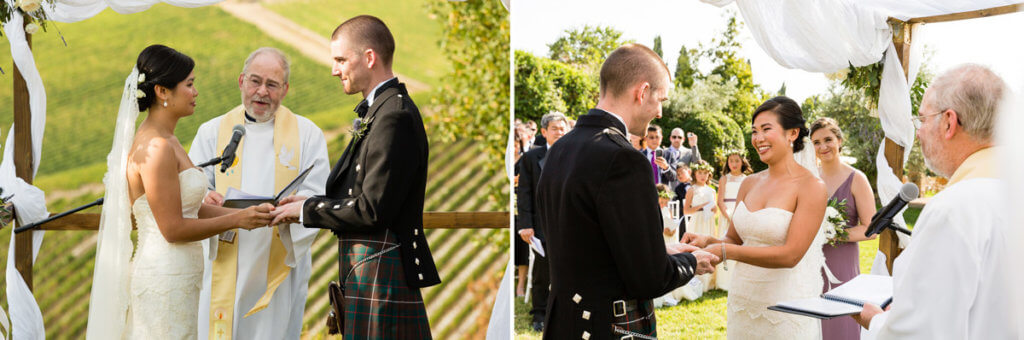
(26, 318)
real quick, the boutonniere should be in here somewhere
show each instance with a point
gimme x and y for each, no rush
(359, 127)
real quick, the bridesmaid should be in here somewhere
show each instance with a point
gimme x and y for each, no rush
(735, 169)
(843, 182)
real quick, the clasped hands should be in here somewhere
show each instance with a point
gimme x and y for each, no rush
(705, 260)
(286, 211)
(709, 245)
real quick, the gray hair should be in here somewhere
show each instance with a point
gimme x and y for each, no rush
(553, 116)
(974, 93)
(285, 64)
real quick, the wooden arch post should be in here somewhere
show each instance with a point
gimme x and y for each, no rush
(23, 163)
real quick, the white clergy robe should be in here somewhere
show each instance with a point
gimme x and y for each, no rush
(954, 281)
(282, 319)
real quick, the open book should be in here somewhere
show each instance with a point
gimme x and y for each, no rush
(847, 299)
(239, 199)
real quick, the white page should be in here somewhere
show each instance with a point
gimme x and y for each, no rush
(535, 244)
(874, 289)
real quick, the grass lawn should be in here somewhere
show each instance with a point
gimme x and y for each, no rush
(703, 318)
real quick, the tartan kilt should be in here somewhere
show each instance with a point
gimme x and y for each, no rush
(378, 303)
(640, 320)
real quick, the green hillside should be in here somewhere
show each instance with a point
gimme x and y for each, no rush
(83, 82)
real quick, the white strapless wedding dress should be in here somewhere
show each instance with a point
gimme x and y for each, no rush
(755, 288)
(166, 277)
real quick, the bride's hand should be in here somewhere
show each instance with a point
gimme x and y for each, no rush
(676, 248)
(715, 249)
(700, 241)
(255, 216)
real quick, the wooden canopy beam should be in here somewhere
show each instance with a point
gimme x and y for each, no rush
(982, 13)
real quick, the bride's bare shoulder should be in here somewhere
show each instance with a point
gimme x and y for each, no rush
(149, 146)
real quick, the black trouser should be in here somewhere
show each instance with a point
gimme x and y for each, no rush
(541, 286)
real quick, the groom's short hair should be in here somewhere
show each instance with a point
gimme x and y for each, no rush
(629, 65)
(367, 31)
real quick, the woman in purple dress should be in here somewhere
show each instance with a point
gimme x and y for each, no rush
(844, 183)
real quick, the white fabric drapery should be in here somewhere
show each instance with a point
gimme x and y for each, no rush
(26, 318)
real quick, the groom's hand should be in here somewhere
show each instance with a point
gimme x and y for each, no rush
(705, 262)
(677, 248)
(288, 210)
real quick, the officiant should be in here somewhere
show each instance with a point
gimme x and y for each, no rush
(954, 281)
(599, 210)
(263, 272)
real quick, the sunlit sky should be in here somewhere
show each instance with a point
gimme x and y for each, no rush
(536, 23)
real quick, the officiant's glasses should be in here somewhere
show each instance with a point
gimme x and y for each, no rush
(918, 120)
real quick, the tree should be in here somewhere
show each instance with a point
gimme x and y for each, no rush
(586, 47)
(657, 46)
(543, 85)
(686, 67)
(474, 99)
(724, 54)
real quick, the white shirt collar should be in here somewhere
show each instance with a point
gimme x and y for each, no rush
(370, 97)
(619, 118)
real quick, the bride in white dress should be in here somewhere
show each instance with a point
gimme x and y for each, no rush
(156, 296)
(776, 235)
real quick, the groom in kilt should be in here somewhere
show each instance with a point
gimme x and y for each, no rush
(374, 196)
(599, 210)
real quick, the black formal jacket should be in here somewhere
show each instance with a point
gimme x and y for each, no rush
(530, 166)
(599, 210)
(379, 182)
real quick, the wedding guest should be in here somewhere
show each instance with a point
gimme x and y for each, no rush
(637, 142)
(682, 186)
(671, 235)
(954, 280)
(522, 255)
(553, 126)
(599, 210)
(849, 185)
(676, 153)
(660, 168)
(241, 265)
(734, 170)
(700, 202)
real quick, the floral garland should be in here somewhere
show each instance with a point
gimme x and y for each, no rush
(702, 166)
(36, 17)
(722, 154)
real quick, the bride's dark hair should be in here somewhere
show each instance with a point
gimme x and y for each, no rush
(162, 66)
(790, 117)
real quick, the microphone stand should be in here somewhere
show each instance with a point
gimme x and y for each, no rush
(99, 201)
(898, 228)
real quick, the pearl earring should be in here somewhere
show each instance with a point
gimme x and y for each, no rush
(165, 103)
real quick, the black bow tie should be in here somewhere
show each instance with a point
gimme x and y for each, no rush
(362, 108)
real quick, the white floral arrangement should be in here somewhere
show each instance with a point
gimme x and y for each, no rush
(33, 8)
(835, 222)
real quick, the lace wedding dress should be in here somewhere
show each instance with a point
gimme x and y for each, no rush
(755, 288)
(166, 277)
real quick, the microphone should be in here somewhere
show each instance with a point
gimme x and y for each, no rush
(883, 218)
(228, 157)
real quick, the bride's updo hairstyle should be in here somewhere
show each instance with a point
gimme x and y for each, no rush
(790, 117)
(162, 66)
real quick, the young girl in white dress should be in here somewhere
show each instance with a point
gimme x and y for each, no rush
(701, 203)
(735, 169)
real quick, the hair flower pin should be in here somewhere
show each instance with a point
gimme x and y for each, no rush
(142, 78)
(140, 94)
